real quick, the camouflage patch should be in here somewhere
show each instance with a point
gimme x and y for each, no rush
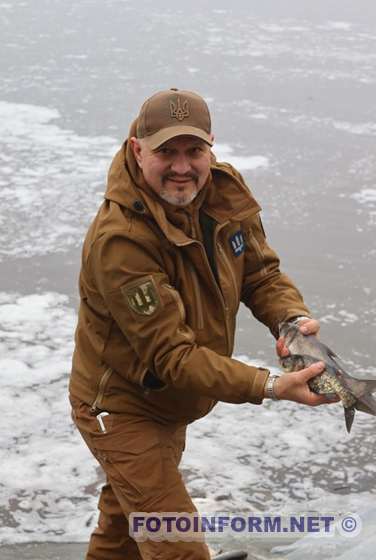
(142, 298)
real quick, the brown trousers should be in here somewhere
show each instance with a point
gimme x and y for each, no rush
(140, 459)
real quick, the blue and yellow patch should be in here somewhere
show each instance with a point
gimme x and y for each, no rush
(237, 243)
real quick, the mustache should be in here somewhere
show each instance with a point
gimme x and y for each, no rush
(190, 175)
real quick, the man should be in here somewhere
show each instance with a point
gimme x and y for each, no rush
(175, 246)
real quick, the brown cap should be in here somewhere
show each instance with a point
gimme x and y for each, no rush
(171, 113)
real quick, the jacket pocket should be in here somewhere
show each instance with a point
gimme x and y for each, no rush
(131, 455)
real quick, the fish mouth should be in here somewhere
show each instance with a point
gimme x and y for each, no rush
(284, 327)
(288, 331)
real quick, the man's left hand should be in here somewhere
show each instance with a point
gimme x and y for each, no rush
(306, 326)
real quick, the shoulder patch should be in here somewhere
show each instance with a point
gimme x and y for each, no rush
(237, 243)
(142, 297)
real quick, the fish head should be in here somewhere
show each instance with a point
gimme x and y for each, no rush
(288, 331)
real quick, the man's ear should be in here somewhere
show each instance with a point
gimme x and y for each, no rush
(136, 149)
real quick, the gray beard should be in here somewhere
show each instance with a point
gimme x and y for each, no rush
(174, 199)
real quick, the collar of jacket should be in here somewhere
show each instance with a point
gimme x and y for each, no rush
(224, 197)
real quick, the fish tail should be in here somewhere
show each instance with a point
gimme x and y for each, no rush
(349, 417)
(366, 403)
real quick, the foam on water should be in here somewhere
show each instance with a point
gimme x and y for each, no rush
(48, 475)
(337, 26)
(365, 196)
(278, 456)
(224, 152)
(364, 129)
(51, 180)
(342, 545)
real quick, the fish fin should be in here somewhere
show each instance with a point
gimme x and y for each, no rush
(370, 385)
(366, 403)
(332, 358)
(349, 417)
(359, 387)
(329, 352)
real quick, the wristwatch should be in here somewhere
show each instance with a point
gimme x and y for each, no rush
(269, 387)
(296, 320)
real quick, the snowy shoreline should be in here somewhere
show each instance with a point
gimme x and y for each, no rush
(48, 474)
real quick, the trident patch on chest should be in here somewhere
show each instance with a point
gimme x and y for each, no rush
(142, 298)
(237, 243)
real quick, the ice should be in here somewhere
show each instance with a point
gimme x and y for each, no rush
(365, 196)
(341, 546)
(295, 94)
(358, 128)
(337, 26)
(271, 27)
(43, 462)
(260, 116)
(224, 152)
(49, 180)
(47, 472)
(59, 170)
(342, 316)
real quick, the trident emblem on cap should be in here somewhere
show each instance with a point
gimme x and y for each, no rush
(179, 112)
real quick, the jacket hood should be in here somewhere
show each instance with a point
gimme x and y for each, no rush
(224, 197)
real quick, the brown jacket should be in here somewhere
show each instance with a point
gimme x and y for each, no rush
(160, 288)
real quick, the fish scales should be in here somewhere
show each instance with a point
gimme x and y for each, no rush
(306, 350)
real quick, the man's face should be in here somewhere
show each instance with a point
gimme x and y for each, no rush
(177, 170)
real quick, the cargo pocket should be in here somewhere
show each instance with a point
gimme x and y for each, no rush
(131, 455)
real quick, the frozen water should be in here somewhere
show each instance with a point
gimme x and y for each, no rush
(52, 180)
(291, 90)
(50, 198)
(224, 152)
(341, 546)
(47, 472)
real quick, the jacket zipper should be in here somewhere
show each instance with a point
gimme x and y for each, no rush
(193, 227)
(197, 297)
(224, 306)
(228, 265)
(214, 282)
(101, 388)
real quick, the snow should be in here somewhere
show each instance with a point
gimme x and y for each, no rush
(359, 544)
(51, 180)
(224, 152)
(365, 196)
(293, 81)
(47, 471)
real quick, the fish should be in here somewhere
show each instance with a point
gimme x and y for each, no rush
(334, 381)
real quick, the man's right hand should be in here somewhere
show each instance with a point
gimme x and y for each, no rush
(294, 386)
